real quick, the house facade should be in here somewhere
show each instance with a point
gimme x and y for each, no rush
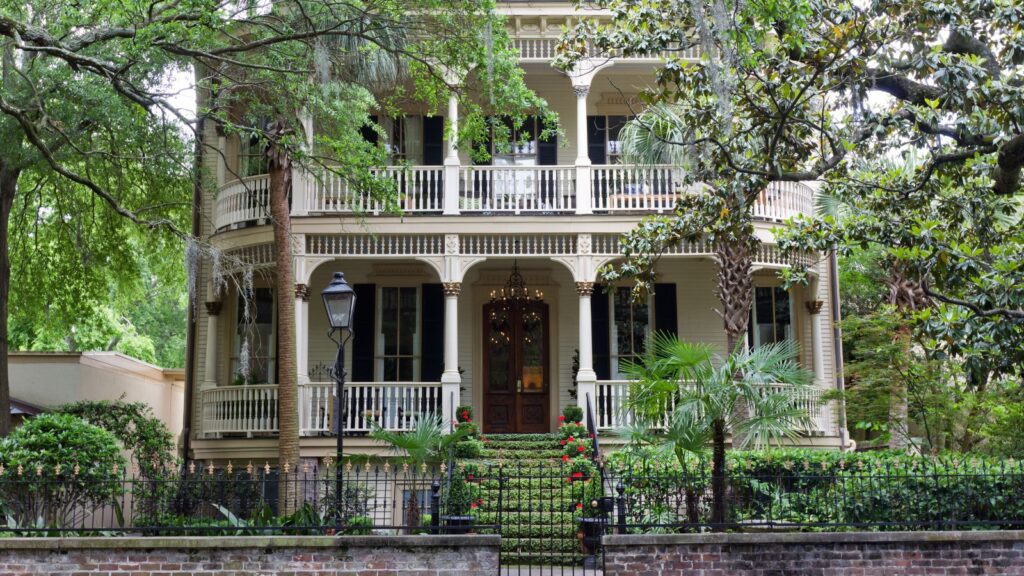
(484, 291)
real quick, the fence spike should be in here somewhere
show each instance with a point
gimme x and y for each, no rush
(266, 467)
(248, 468)
(229, 467)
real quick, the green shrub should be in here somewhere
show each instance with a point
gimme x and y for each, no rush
(69, 467)
(469, 448)
(573, 414)
(458, 496)
(140, 432)
(359, 526)
(464, 413)
(585, 487)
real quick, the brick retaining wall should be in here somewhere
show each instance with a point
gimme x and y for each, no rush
(834, 554)
(252, 556)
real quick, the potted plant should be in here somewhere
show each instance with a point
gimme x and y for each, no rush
(457, 502)
(587, 493)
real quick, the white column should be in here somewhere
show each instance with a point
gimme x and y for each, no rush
(584, 205)
(586, 378)
(450, 378)
(814, 308)
(302, 332)
(451, 160)
(213, 309)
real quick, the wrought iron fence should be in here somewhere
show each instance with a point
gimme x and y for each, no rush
(550, 512)
(921, 494)
(375, 498)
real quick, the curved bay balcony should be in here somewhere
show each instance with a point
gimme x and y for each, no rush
(495, 191)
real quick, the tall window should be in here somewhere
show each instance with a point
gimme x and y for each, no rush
(630, 329)
(613, 145)
(398, 347)
(405, 139)
(252, 153)
(771, 320)
(522, 145)
(254, 354)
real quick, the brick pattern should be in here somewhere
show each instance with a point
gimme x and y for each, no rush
(1005, 557)
(253, 561)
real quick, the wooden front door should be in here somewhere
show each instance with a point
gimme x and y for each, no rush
(517, 385)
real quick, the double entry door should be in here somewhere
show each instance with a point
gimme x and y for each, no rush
(516, 349)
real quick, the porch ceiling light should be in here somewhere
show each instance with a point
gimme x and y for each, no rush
(515, 289)
(340, 301)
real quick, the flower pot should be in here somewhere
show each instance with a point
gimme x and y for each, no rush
(457, 524)
(590, 532)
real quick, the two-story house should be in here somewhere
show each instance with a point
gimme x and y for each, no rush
(436, 321)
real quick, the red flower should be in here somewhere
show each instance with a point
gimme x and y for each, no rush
(571, 439)
(580, 448)
(565, 458)
(561, 418)
(470, 476)
(579, 506)
(562, 442)
(473, 505)
(577, 474)
(591, 436)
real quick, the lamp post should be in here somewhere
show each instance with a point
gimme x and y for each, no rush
(340, 302)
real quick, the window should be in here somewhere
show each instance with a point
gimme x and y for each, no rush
(405, 139)
(770, 318)
(255, 332)
(398, 347)
(629, 330)
(613, 145)
(521, 149)
(252, 153)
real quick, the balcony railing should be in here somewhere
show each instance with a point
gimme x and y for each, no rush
(542, 49)
(497, 190)
(613, 400)
(252, 410)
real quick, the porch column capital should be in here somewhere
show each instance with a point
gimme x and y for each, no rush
(814, 306)
(585, 288)
(452, 288)
(581, 90)
(302, 292)
(214, 307)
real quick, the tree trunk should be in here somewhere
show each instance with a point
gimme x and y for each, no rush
(8, 189)
(287, 380)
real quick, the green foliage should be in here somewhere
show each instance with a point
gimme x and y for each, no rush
(134, 425)
(469, 448)
(427, 442)
(85, 461)
(464, 413)
(568, 430)
(573, 414)
(585, 488)
(457, 495)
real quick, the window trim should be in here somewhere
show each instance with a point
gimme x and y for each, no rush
(236, 336)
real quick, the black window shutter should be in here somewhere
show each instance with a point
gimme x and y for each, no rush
(363, 333)
(665, 315)
(600, 334)
(433, 140)
(547, 150)
(368, 131)
(597, 128)
(432, 333)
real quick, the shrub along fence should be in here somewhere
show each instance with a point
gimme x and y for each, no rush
(820, 494)
(627, 496)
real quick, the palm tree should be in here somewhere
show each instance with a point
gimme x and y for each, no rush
(702, 392)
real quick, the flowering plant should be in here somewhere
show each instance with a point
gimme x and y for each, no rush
(578, 447)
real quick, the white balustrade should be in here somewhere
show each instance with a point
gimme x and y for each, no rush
(419, 189)
(782, 200)
(240, 410)
(252, 410)
(517, 189)
(543, 48)
(243, 200)
(631, 188)
(613, 398)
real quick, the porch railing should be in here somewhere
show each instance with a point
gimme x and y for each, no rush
(242, 200)
(253, 410)
(517, 189)
(613, 399)
(420, 189)
(501, 190)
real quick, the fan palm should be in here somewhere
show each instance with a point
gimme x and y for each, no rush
(701, 393)
(426, 442)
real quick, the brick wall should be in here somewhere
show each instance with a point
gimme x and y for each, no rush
(861, 554)
(252, 556)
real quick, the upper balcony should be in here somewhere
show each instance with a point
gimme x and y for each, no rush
(496, 191)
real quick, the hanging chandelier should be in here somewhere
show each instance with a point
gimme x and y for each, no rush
(515, 289)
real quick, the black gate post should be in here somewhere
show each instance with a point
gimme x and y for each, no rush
(621, 505)
(435, 506)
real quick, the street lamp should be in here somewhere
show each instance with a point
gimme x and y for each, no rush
(340, 302)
